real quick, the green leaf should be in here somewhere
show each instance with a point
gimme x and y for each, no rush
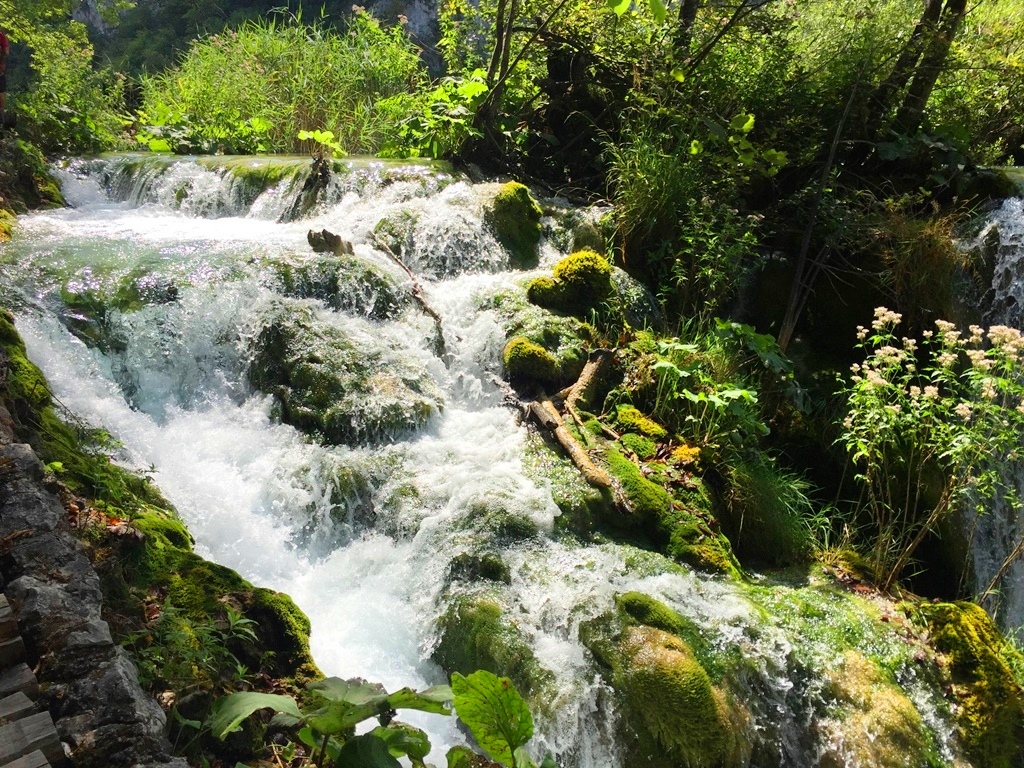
(338, 716)
(678, 74)
(775, 158)
(495, 713)
(229, 711)
(658, 10)
(460, 757)
(548, 761)
(436, 700)
(354, 691)
(159, 145)
(366, 751)
(619, 6)
(696, 147)
(402, 739)
(471, 89)
(743, 123)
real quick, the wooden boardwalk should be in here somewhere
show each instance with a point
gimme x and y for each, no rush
(28, 738)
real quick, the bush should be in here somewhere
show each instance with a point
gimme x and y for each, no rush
(286, 77)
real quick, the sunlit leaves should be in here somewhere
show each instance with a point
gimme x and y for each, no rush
(494, 712)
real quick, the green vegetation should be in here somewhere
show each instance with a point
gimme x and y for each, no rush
(488, 705)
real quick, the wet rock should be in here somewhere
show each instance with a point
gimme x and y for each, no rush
(346, 389)
(514, 216)
(344, 282)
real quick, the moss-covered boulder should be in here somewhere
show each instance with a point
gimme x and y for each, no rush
(345, 389)
(26, 179)
(514, 217)
(347, 283)
(396, 231)
(581, 504)
(990, 700)
(671, 712)
(526, 362)
(874, 722)
(475, 633)
(578, 283)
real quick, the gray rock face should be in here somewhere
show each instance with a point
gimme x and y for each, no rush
(89, 684)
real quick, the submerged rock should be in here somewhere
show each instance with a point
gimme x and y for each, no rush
(344, 282)
(341, 387)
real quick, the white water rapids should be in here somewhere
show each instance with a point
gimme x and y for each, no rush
(262, 498)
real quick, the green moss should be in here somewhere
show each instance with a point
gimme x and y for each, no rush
(630, 419)
(7, 220)
(652, 613)
(874, 723)
(474, 634)
(642, 446)
(525, 361)
(472, 567)
(581, 504)
(515, 218)
(648, 502)
(990, 702)
(396, 231)
(580, 281)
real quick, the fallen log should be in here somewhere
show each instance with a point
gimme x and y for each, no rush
(584, 390)
(546, 415)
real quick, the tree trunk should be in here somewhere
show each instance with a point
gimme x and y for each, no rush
(684, 33)
(909, 118)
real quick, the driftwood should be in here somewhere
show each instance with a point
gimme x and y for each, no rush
(582, 393)
(545, 414)
(417, 292)
(326, 241)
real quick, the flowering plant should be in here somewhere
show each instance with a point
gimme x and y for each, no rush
(929, 427)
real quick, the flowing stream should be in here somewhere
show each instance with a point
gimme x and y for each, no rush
(369, 560)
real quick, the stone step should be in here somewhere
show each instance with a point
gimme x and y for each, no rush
(25, 736)
(33, 760)
(19, 678)
(8, 624)
(15, 707)
(11, 651)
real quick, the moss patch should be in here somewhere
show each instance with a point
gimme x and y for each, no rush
(527, 362)
(630, 419)
(875, 724)
(642, 446)
(514, 216)
(579, 282)
(475, 634)
(990, 712)
(347, 283)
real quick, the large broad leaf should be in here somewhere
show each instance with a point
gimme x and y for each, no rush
(354, 691)
(495, 713)
(658, 10)
(338, 716)
(435, 700)
(402, 739)
(619, 6)
(229, 711)
(366, 751)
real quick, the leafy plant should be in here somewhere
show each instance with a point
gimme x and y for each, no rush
(930, 427)
(488, 705)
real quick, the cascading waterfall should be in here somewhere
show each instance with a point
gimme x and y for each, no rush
(999, 533)
(361, 535)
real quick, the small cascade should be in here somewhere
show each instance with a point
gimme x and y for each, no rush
(161, 307)
(1000, 532)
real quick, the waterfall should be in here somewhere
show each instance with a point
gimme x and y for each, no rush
(143, 304)
(996, 534)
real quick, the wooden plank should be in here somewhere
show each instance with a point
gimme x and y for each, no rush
(32, 760)
(8, 624)
(25, 736)
(19, 678)
(11, 651)
(15, 707)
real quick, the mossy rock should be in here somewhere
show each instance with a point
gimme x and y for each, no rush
(587, 236)
(514, 216)
(328, 383)
(347, 283)
(7, 220)
(628, 418)
(580, 503)
(526, 362)
(650, 612)
(487, 566)
(647, 502)
(396, 231)
(990, 701)
(29, 183)
(476, 634)
(579, 282)
(497, 518)
(874, 722)
(670, 712)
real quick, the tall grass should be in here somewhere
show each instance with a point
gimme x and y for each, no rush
(255, 88)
